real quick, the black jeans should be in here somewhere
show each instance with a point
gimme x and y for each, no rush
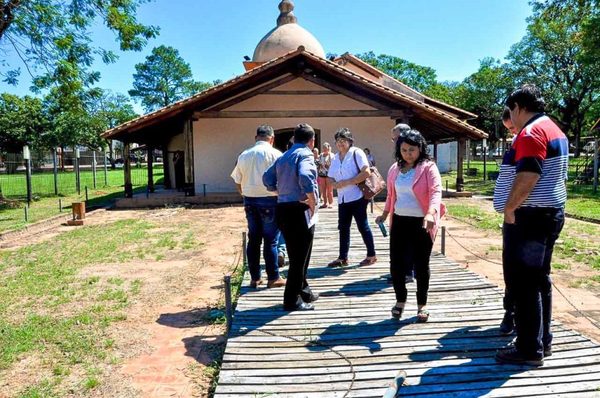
(410, 246)
(358, 210)
(298, 239)
(526, 257)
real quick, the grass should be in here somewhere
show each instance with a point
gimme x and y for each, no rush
(582, 201)
(577, 243)
(61, 320)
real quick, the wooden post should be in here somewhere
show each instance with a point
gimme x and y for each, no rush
(228, 306)
(435, 151)
(188, 138)
(78, 213)
(443, 240)
(127, 171)
(150, 170)
(94, 168)
(460, 181)
(166, 167)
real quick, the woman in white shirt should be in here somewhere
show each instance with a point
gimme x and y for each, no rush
(350, 167)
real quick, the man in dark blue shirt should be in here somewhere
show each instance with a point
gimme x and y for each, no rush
(294, 177)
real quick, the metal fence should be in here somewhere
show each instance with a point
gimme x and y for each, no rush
(54, 174)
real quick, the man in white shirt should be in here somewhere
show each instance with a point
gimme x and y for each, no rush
(259, 205)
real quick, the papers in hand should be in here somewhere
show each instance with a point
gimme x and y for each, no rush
(310, 221)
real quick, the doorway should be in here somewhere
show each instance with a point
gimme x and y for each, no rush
(283, 137)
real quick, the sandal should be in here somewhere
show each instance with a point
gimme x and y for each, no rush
(369, 261)
(338, 262)
(397, 312)
(422, 316)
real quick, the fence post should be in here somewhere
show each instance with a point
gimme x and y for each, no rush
(443, 240)
(596, 156)
(77, 176)
(55, 170)
(105, 168)
(86, 195)
(60, 205)
(94, 168)
(27, 158)
(244, 249)
(228, 312)
(27, 212)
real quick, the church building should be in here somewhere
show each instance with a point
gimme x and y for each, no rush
(288, 81)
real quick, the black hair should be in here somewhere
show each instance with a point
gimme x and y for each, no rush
(528, 96)
(264, 130)
(506, 114)
(413, 138)
(303, 133)
(345, 134)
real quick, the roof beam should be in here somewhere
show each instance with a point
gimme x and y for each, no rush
(297, 113)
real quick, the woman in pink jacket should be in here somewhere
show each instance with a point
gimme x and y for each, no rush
(415, 201)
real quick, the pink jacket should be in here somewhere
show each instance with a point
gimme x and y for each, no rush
(427, 187)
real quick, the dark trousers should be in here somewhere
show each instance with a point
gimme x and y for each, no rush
(262, 226)
(358, 210)
(526, 257)
(298, 239)
(410, 246)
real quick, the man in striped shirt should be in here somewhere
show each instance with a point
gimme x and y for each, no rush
(531, 192)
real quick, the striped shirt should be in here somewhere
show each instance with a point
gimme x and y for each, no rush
(540, 147)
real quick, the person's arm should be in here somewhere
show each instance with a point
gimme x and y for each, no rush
(308, 181)
(363, 164)
(522, 186)
(270, 178)
(239, 188)
(435, 196)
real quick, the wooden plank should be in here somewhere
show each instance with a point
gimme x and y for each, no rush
(349, 345)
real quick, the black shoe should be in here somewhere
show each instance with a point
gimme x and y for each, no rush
(312, 298)
(548, 351)
(300, 307)
(512, 355)
(508, 323)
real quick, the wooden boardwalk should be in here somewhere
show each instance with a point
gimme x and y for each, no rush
(349, 346)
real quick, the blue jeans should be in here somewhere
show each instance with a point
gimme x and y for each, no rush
(526, 257)
(358, 210)
(262, 226)
(281, 248)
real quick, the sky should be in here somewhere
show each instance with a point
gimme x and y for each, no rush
(451, 36)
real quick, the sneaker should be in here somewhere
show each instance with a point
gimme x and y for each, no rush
(507, 326)
(281, 260)
(548, 351)
(279, 282)
(409, 279)
(513, 356)
(300, 307)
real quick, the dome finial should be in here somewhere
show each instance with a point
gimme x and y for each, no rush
(286, 7)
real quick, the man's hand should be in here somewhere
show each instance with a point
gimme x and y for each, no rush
(509, 216)
(311, 202)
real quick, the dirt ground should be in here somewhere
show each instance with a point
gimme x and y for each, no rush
(166, 344)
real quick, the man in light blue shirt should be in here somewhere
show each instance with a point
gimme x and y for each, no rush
(294, 177)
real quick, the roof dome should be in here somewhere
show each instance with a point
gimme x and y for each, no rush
(286, 37)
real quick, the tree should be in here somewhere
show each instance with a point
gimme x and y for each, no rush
(52, 38)
(417, 77)
(22, 122)
(483, 93)
(555, 54)
(164, 78)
